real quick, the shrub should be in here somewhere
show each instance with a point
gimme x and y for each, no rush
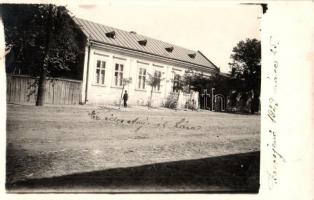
(172, 100)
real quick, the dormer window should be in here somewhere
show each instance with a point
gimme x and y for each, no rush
(169, 49)
(192, 55)
(111, 34)
(142, 42)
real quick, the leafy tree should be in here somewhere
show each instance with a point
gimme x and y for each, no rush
(246, 65)
(178, 83)
(199, 82)
(186, 82)
(196, 81)
(246, 69)
(45, 42)
(153, 81)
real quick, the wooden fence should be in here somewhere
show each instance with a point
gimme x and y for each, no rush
(23, 89)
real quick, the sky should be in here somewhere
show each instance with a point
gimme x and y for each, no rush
(212, 28)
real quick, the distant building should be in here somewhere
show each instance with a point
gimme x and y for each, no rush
(112, 54)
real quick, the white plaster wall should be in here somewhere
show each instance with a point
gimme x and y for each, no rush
(110, 94)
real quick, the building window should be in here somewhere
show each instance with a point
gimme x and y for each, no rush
(141, 78)
(158, 80)
(118, 74)
(176, 83)
(100, 72)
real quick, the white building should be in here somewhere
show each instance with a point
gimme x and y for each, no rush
(112, 54)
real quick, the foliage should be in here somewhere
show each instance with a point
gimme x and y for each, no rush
(172, 101)
(246, 66)
(153, 81)
(195, 81)
(45, 42)
(246, 74)
(42, 37)
(178, 83)
(191, 104)
(240, 101)
(199, 82)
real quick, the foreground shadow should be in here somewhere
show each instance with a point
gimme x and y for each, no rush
(237, 173)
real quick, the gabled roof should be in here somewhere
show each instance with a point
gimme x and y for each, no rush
(131, 40)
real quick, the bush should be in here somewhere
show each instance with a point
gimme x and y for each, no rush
(191, 104)
(242, 102)
(172, 101)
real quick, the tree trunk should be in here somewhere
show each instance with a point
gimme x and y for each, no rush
(150, 98)
(121, 96)
(40, 100)
(41, 89)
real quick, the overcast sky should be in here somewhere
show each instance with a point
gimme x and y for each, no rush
(214, 29)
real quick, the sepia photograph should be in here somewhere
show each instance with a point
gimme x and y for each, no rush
(133, 98)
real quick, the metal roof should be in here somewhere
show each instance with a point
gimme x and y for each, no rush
(97, 32)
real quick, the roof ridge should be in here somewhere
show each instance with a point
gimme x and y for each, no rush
(208, 59)
(145, 37)
(125, 39)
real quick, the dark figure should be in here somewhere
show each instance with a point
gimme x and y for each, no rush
(125, 98)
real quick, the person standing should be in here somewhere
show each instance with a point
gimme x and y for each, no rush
(125, 98)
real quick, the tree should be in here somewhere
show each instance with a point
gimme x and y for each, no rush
(153, 81)
(246, 68)
(196, 82)
(125, 82)
(45, 42)
(246, 64)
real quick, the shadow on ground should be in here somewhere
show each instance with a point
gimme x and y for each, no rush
(237, 173)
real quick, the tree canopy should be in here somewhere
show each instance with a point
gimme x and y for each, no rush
(42, 36)
(199, 82)
(154, 82)
(45, 42)
(246, 66)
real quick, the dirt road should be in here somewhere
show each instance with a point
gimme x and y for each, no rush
(55, 141)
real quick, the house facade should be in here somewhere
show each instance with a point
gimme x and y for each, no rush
(112, 55)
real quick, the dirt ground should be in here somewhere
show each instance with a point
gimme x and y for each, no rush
(44, 143)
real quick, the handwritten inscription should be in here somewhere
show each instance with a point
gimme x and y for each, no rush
(272, 114)
(276, 157)
(274, 48)
(180, 124)
(275, 75)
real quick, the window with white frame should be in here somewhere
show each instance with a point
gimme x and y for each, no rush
(118, 74)
(141, 78)
(157, 75)
(100, 72)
